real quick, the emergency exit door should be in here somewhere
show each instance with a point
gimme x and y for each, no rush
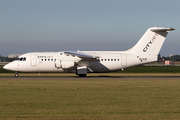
(123, 60)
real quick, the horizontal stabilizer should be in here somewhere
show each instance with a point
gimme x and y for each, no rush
(161, 29)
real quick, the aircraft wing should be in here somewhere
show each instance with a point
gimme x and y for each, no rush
(81, 55)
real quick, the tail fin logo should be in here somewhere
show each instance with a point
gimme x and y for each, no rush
(150, 43)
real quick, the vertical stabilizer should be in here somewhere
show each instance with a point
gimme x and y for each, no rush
(151, 42)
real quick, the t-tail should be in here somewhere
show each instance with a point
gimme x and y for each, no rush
(151, 42)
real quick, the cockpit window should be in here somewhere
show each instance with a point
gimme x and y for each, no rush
(21, 59)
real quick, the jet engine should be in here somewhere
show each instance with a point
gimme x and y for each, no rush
(67, 64)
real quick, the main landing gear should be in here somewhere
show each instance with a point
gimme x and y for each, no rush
(16, 74)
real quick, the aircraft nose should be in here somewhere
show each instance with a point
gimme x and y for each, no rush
(6, 67)
(11, 66)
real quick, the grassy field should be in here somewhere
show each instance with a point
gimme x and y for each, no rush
(87, 99)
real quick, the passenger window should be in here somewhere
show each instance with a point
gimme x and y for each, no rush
(114, 59)
(108, 59)
(51, 59)
(48, 59)
(104, 59)
(101, 59)
(41, 59)
(118, 59)
(44, 59)
(111, 59)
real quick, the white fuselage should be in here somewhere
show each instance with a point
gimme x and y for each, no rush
(53, 62)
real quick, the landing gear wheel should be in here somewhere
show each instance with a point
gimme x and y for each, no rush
(82, 75)
(16, 74)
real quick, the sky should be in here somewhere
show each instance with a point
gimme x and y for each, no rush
(97, 25)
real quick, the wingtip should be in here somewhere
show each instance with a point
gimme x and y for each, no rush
(172, 29)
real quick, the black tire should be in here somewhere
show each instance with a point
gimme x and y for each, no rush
(82, 75)
(16, 75)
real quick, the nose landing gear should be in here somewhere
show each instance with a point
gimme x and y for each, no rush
(16, 74)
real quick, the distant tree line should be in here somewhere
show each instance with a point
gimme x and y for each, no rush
(170, 58)
(6, 59)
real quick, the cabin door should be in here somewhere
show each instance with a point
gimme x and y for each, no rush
(33, 60)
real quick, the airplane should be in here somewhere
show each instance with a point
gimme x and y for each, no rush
(83, 62)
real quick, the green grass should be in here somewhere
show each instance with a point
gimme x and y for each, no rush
(87, 99)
